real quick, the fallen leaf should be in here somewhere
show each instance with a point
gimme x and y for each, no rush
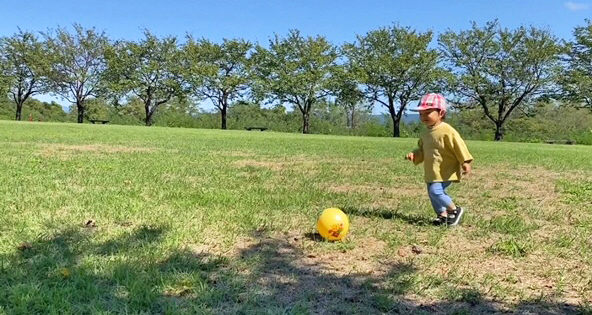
(402, 252)
(24, 246)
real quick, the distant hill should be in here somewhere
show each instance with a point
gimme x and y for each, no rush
(408, 117)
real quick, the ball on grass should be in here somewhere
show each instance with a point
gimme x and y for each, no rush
(333, 224)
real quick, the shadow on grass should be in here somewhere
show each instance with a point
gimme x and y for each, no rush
(315, 237)
(77, 272)
(388, 214)
(139, 237)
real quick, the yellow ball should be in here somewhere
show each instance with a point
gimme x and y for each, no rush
(333, 224)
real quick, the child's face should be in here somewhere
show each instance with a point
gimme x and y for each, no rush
(430, 117)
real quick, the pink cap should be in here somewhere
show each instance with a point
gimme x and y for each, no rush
(431, 100)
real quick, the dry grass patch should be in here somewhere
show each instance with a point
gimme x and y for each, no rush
(377, 190)
(511, 280)
(274, 166)
(501, 188)
(233, 153)
(64, 152)
(532, 182)
(302, 250)
(299, 164)
(284, 269)
(287, 268)
(347, 168)
(504, 181)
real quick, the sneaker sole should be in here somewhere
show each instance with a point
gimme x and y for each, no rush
(459, 215)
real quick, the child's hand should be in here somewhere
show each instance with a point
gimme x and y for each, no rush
(466, 168)
(410, 157)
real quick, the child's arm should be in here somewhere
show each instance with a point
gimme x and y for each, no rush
(458, 146)
(416, 156)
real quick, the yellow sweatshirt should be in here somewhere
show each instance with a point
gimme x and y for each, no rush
(442, 151)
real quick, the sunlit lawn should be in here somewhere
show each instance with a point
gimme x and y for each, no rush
(102, 219)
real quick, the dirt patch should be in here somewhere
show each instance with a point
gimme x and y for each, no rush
(283, 269)
(302, 253)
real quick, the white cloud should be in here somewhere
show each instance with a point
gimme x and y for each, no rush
(575, 6)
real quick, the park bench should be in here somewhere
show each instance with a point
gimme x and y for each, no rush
(94, 121)
(256, 128)
(560, 141)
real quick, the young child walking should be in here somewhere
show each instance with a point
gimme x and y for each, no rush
(444, 155)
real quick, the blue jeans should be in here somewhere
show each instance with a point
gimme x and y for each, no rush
(440, 200)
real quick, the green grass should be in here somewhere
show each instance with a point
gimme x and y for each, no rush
(512, 247)
(186, 221)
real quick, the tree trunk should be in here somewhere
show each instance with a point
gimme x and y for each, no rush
(396, 127)
(224, 107)
(305, 123)
(499, 131)
(149, 114)
(224, 117)
(19, 111)
(351, 117)
(80, 108)
(348, 115)
(395, 118)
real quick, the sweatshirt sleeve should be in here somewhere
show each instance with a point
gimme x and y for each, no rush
(418, 152)
(458, 146)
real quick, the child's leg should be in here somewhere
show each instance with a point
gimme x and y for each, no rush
(440, 200)
(437, 208)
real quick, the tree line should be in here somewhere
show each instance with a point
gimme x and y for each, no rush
(490, 71)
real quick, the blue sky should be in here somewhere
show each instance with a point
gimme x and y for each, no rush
(338, 20)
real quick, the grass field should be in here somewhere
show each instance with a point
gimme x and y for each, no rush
(100, 219)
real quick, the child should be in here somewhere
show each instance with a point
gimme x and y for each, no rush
(444, 154)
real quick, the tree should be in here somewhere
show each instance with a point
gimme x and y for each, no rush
(24, 67)
(96, 108)
(577, 79)
(499, 69)
(395, 66)
(149, 69)
(43, 111)
(218, 72)
(76, 64)
(129, 112)
(295, 70)
(348, 94)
